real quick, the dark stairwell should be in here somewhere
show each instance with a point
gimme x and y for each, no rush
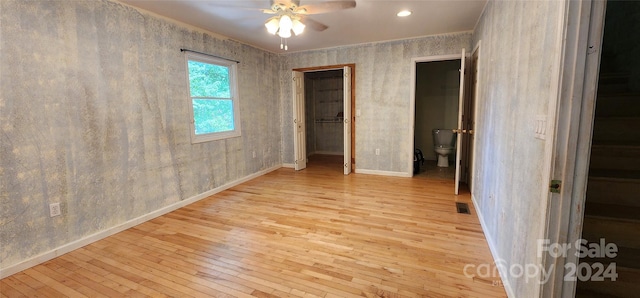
(612, 209)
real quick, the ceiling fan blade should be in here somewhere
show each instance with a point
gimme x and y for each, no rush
(325, 7)
(315, 25)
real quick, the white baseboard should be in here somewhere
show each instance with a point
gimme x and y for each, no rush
(383, 173)
(288, 165)
(56, 252)
(492, 248)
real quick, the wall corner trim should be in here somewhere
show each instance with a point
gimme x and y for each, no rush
(494, 252)
(61, 250)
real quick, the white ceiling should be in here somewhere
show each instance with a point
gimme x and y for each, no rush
(369, 21)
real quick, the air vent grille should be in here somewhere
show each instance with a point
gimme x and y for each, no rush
(462, 208)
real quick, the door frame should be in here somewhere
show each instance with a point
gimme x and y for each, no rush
(347, 119)
(472, 93)
(353, 101)
(412, 100)
(583, 32)
(460, 129)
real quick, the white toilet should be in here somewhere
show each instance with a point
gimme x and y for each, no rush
(444, 141)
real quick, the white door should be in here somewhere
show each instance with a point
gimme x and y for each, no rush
(460, 129)
(346, 111)
(299, 141)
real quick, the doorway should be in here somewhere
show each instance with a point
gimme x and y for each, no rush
(593, 102)
(612, 204)
(437, 81)
(437, 91)
(324, 112)
(324, 125)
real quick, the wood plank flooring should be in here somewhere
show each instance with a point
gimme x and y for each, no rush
(312, 233)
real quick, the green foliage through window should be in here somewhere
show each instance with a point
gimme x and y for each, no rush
(212, 115)
(212, 97)
(208, 80)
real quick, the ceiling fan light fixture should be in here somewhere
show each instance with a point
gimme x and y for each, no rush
(286, 23)
(298, 27)
(284, 33)
(289, 18)
(272, 25)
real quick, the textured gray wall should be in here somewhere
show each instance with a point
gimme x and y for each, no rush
(94, 114)
(518, 58)
(383, 88)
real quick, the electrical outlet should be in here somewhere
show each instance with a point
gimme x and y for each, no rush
(254, 154)
(377, 151)
(54, 209)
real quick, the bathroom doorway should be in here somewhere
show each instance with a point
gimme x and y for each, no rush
(437, 91)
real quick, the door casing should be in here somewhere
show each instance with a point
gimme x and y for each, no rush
(582, 44)
(412, 103)
(353, 100)
(462, 105)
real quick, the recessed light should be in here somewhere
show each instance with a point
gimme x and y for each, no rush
(404, 13)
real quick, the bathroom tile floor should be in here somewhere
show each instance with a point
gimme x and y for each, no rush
(431, 170)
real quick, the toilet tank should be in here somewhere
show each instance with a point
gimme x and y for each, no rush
(444, 138)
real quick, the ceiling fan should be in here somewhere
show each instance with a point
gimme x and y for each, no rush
(290, 17)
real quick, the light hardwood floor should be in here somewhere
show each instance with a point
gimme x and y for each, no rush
(286, 234)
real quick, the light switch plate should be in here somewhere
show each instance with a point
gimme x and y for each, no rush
(541, 127)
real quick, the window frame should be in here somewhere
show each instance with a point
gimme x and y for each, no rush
(233, 89)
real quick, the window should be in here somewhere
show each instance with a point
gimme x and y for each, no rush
(213, 98)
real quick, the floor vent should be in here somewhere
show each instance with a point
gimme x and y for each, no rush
(463, 208)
